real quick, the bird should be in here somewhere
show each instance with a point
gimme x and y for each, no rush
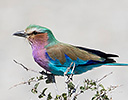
(55, 57)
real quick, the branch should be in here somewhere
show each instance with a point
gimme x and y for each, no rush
(27, 69)
(104, 76)
(73, 90)
(26, 82)
(49, 77)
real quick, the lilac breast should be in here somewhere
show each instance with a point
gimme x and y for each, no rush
(40, 57)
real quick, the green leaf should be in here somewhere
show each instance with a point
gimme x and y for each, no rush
(32, 78)
(101, 86)
(82, 88)
(48, 81)
(75, 98)
(40, 77)
(64, 95)
(36, 85)
(71, 85)
(34, 91)
(43, 93)
(105, 97)
(102, 90)
(93, 83)
(95, 88)
(97, 93)
(49, 96)
(93, 98)
(58, 97)
(41, 96)
(29, 81)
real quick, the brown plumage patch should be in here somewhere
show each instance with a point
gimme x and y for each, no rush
(59, 50)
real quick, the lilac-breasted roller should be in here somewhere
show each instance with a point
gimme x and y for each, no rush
(56, 57)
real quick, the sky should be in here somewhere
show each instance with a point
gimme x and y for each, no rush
(96, 24)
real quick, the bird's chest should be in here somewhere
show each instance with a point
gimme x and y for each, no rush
(40, 57)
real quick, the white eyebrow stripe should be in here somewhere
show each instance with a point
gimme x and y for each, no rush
(29, 31)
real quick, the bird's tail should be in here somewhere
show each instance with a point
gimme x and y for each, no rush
(116, 64)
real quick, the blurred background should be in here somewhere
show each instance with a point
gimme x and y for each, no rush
(97, 24)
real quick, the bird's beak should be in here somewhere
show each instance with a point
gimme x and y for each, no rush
(20, 34)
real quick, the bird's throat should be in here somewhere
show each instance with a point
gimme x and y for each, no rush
(38, 41)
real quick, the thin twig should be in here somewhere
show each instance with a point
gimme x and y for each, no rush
(27, 69)
(26, 82)
(49, 77)
(75, 90)
(67, 81)
(104, 77)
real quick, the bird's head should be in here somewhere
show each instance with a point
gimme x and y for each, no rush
(36, 34)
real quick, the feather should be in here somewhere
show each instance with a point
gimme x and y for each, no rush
(97, 52)
(116, 64)
(59, 51)
(101, 54)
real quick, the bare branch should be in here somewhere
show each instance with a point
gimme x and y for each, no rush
(26, 82)
(104, 76)
(27, 69)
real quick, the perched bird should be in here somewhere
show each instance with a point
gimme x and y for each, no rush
(56, 57)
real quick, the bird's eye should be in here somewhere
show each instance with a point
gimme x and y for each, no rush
(34, 32)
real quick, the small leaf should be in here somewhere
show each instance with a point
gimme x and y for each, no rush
(93, 98)
(93, 83)
(43, 93)
(48, 81)
(49, 96)
(75, 98)
(57, 97)
(71, 85)
(95, 88)
(40, 77)
(105, 97)
(32, 78)
(102, 90)
(64, 95)
(82, 89)
(36, 85)
(29, 81)
(41, 96)
(97, 93)
(101, 86)
(34, 91)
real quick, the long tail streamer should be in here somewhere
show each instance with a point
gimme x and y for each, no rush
(116, 64)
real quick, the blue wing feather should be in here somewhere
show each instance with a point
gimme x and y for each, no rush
(61, 56)
(80, 65)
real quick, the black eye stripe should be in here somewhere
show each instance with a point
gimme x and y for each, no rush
(34, 32)
(29, 34)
